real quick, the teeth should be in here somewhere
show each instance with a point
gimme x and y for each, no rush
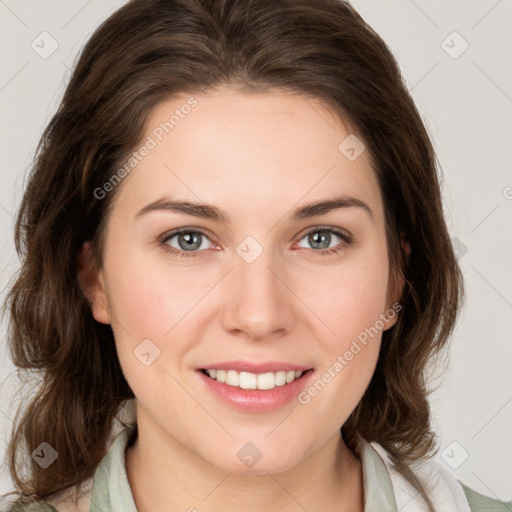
(246, 380)
(232, 378)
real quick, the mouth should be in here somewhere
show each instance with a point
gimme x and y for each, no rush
(254, 386)
(266, 388)
(254, 381)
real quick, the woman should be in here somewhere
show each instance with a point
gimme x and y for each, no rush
(234, 223)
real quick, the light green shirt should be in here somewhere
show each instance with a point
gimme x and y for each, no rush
(111, 490)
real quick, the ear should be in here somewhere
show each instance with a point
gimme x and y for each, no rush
(396, 287)
(92, 283)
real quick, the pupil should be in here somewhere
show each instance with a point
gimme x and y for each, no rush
(320, 237)
(192, 241)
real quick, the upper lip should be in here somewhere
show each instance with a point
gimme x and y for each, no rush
(255, 367)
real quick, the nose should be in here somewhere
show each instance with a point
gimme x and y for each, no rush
(258, 300)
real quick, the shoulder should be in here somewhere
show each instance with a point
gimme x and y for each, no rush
(76, 498)
(64, 501)
(443, 488)
(481, 503)
(28, 507)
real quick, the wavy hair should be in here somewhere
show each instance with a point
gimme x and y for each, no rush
(149, 51)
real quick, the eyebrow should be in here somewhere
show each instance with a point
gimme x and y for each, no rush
(211, 212)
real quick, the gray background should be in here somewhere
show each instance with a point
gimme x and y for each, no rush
(466, 101)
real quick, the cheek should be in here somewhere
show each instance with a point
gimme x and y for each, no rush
(148, 298)
(153, 303)
(350, 298)
(350, 303)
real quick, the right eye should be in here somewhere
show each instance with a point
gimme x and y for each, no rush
(184, 242)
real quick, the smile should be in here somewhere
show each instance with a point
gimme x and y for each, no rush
(247, 380)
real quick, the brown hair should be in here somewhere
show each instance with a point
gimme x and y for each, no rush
(149, 51)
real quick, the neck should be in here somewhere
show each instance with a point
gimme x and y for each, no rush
(165, 475)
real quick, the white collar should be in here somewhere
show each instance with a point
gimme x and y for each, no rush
(443, 489)
(385, 489)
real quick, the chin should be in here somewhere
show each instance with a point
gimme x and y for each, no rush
(251, 461)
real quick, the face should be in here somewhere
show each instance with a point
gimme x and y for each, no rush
(249, 282)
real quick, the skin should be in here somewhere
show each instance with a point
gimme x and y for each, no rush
(257, 157)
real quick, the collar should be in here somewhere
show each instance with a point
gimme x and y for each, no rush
(111, 490)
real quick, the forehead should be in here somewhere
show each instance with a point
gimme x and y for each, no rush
(251, 152)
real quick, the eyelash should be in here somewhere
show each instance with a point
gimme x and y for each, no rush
(346, 241)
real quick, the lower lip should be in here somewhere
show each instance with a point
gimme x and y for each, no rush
(256, 400)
